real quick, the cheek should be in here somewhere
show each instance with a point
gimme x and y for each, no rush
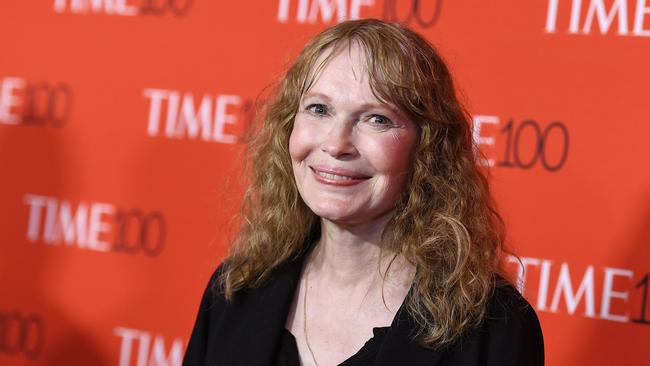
(391, 154)
(298, 142)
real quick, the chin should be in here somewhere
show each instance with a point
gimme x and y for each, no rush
(335, 212)
(332, 215)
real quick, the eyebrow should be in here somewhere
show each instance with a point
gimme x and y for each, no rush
(316, 95)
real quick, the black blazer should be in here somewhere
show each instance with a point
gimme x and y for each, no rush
(247, 330)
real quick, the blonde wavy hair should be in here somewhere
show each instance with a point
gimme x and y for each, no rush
(445, 222)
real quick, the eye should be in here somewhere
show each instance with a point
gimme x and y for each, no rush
(317, 109)
(378, 119)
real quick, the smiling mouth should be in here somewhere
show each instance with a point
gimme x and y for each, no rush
(331, 178)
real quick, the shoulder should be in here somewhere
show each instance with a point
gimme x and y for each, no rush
(252, 319)
(210, 309)
(509, 311)
(509, 334)
(213, 295)
(513, 325)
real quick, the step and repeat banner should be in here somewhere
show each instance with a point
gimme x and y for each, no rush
(121, 125)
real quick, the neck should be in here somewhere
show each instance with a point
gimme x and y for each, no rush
(348, 255)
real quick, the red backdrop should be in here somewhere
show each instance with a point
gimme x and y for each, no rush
(119, 153)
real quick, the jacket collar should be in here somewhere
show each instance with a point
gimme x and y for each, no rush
(264, 311)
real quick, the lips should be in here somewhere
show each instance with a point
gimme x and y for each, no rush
(337, 176)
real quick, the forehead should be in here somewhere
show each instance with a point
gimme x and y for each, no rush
(342, 72)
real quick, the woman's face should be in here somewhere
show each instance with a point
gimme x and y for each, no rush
(350, 152)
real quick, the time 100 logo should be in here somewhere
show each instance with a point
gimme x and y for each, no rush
(524, 144)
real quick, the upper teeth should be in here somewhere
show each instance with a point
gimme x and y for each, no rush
(334, 176)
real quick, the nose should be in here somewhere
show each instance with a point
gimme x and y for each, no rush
(338, 141)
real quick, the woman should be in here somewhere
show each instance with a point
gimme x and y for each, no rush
(368, 235)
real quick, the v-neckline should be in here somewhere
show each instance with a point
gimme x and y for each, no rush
(363, 356)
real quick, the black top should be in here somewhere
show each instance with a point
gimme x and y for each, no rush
(287, 354)
(248, 330)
